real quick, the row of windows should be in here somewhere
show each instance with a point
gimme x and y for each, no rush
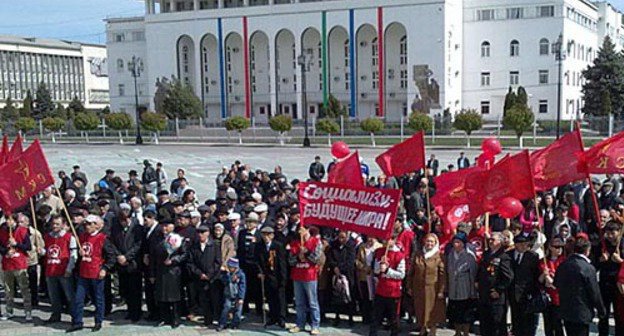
(581, 19)
(515, 13)
(514, 48)
(542, 106)
(132, 36)
(514, 78)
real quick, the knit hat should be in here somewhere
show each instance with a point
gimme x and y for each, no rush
(461, 236)
(232, 262)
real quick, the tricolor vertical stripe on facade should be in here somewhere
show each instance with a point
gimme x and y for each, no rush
(246, 68)
(324, 58)
(221, 68)
(380, 48)
(352, 73)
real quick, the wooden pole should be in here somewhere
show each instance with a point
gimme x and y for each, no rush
(34, 221)
(69, 220)
(487, 228)
(428, 204)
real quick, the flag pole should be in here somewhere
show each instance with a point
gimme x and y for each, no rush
(71, 224)
(34, 221)
(428, 204)
(487, 227)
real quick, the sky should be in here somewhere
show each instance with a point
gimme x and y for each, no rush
(76, 20)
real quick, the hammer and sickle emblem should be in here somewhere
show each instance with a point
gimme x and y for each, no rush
(23, 169)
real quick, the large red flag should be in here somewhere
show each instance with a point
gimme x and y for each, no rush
(559, 163)
(510, 177)
(404, 157)
(24, 177)
(16, 148)
(4, 152)
(607, 156)
(347, 171)
(458, 187)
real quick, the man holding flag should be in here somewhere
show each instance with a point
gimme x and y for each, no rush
(14, 247)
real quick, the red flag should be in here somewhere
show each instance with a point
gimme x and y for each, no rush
(404, 157)
(458, 187)
(347, 171)
(607, 156)
(16, 149)
(4, 153)
(510, 177)
(559, 163)
(24, 177)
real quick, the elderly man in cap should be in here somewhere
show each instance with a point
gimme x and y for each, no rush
(164, 207)
(204, 266)
(78, 174)
(262, 210)
(494, 277)
(607, 196)
(525, 283)
(317, 170)
(247, 239)
(272, 271)
(232, 224)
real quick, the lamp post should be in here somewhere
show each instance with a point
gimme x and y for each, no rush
(557, 50)
(304, 62)
(136, 67)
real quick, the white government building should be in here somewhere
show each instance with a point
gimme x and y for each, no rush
(378, 58)
(69, 69)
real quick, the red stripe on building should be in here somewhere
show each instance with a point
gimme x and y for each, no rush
(246, 67)
(380, 48)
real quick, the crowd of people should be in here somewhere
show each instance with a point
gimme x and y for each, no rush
(149, 242)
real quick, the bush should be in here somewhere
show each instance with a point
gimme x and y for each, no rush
(327, 126)
(468, 121)
(420, 122)
(118, 121)
(281, 123)
(372, 125)
(154, 122)
(25, 124)
(53, 124)
(518, 118)
(237, 123)
(86, 121)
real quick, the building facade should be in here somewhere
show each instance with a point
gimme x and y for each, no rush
(68, 69)
(383, 58)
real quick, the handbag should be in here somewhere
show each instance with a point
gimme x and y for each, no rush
(538, 302)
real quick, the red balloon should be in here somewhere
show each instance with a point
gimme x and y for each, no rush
(509, 207)
(340, 150)
(491, 146)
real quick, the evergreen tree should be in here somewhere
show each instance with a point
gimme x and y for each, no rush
(10, 114)
(75, 106)
(181, 102)
(26, 110)
(522, 98)
(43, 102)
(607, 105)
(606, 74)
(59, 112)
(510, 100)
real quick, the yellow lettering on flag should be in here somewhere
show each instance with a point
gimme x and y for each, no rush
(604, 161)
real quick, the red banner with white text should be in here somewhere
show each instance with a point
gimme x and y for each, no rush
(365, 210)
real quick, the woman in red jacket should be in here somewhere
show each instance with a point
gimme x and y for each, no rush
(553, 324)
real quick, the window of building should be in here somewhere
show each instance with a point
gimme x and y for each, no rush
(403, 50)
(346, 53)
(485, 49)
(514, 48)
(121, 89)
(485, 79)
(120, 65)
(485, 14)
(403, 79)
(375, 79)
(515, 13)
(485, 107)
(119, 37)
(546, 11)
(138, 36)
(347, 81)
(543, 76)
(514, 77)
(374, 52)
(544, 46)
(543, 106)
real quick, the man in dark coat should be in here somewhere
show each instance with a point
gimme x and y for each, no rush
(247, 239)
(433, 164)
(462, 161)
(317, 170)
(341, 261)
(127, 242)
(167, 263)
(608, 267)
(153, 236)
(272, 270)
(204, 263)
(494, 277)
(525, 266)
(578, 290)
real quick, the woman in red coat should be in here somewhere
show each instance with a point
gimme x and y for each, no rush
(553, 324)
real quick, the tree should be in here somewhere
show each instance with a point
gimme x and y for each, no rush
(522, 98)
(420, 122)
(9, 113)
(86, 121)
(281, 123)
(328, 126)
(607, 104)
(606, 74)
(181, 102)
(468, 121)
(334, 108)
(27, 105)
(372, 126)
(75, 106)
(25, 124)
(519, 118)
(510, 100)
(239, 124)
(53, 124)
(59, 112)
(118, 122)
(154, 122)
(43, 102)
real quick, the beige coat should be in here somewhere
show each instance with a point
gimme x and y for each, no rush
(361, 268)
(428, 281)
(228, 250)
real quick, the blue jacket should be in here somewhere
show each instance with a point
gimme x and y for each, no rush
(234, 290)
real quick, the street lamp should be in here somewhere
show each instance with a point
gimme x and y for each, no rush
(136, 67)
(304, 62)
(557, 50)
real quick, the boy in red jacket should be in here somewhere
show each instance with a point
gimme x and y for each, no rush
(97, 259)
(14, 247)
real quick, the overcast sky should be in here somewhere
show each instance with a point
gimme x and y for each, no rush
(77, 20)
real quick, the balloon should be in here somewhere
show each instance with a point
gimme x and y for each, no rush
(491, 146)
(340, 150)
(509, 207)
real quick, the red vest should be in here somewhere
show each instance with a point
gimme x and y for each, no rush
(57, 254)
(552, 269)
(92, 247)
(19, 260)
(387, 287)
(304, 271)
